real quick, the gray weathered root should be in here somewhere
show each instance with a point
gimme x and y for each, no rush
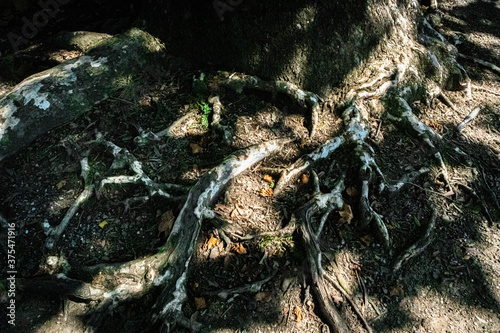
(308, 99)
(63, 93)
(122, 158)
(166, 270)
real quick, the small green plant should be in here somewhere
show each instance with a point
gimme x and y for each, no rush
(205, 112)
(277, 245)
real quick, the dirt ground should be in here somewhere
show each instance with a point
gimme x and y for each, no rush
(454, 286)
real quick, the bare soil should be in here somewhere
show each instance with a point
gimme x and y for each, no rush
(454, 286)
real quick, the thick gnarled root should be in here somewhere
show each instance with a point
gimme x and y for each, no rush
(167, 270)
(306, 99)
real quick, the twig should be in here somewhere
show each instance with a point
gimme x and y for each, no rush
(447, 101)
(489, 188)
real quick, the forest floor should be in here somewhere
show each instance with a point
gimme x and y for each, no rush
(454, 286)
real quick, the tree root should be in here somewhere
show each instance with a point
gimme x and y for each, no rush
(469, 118)
(292, 173)
(486, 64)
(400, 113)
(124, 158)
(486, 90)
(247, 288)
(53, 233)
(167, 269)
(418, 247)
(324, 204)
(218, 128)
(238, 82)
(351, 302)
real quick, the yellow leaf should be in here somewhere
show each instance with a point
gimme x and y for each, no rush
(103, 224)
(166, 223)
(210, 243)
(61, 184)
(268, 179)
(239, 248)
(298, 314)
(196, 148)
(367, 239)
(263, 296)
(199, 303)
(346, 214)
(266, 192)
(351, 191)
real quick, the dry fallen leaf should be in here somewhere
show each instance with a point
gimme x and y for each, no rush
(210, 243)
(298, 314)
(268, 179)
(204, 141)
(351, 191)
(239, 248)
(61, 184)
(367, 239)
(196, 148)
(397, 290)
(266, 192)
(199, 303)
(304, 179)
(263, 296)
(346, 214)
(166, 223)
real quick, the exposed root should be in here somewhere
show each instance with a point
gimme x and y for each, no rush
(351, 302)
(324, 204)
(292, 173)
(322, 292)
(247, 288)
(486, 64)
(358, 132)
(486, 90)
(53, 233)
(218, 128)
(238, 82)
(167, 270)
(407, 178)
(124, 158)
(418, 247)
(400, 113)
(469, 118)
